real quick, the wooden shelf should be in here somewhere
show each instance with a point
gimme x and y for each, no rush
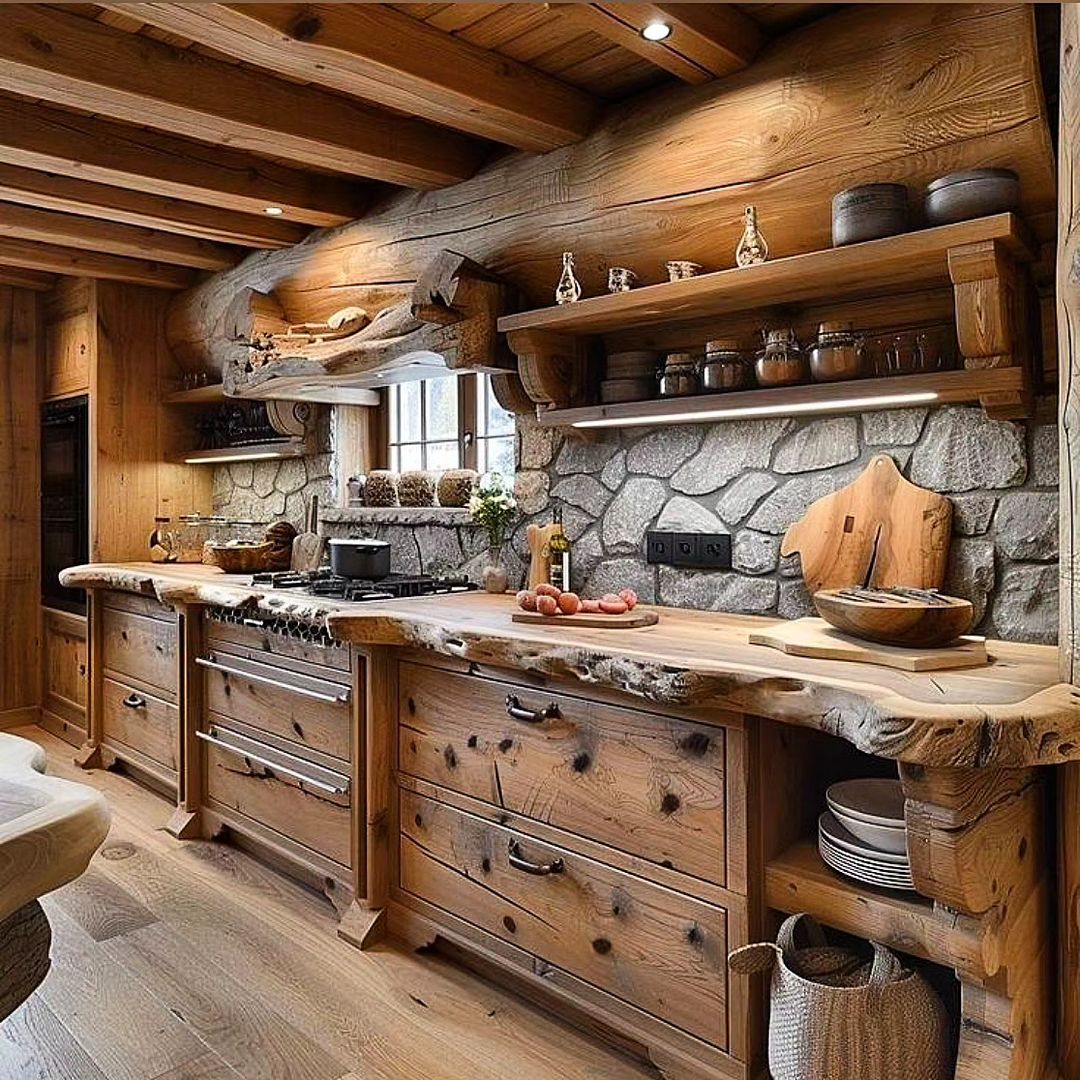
(895, 264)
(800, 881)
(255, 452)
(997, 388)
(199, 395)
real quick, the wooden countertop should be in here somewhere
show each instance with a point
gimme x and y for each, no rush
(1012, 712)
(49, 828)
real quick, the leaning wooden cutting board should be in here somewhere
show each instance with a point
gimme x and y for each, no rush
(881, 530)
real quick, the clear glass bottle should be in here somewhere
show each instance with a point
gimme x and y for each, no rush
(559, 547)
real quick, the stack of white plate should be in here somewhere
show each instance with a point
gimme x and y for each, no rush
(862, 834)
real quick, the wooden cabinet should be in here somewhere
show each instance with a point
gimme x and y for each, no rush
(139, 642)
(584, 844)
(70, 333)
(65, 676)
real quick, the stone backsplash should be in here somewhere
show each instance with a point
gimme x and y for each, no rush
(753, 478)
(748, 478)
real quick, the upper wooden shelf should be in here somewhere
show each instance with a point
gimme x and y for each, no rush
(908, 261)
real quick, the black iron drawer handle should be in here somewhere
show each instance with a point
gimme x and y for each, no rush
(133, 701)
(516, 711)
(519, 862)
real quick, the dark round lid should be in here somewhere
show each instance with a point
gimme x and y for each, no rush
(970, 174)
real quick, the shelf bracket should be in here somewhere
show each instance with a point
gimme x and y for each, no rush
(555, 369)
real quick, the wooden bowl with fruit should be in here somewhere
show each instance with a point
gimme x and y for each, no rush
(547, 605)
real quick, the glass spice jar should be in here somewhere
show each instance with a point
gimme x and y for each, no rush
(725, 367)
(679, 376)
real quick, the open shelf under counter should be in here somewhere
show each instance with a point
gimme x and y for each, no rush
(990, 386)
(799, 881)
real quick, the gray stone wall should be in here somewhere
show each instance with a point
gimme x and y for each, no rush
(753, 478)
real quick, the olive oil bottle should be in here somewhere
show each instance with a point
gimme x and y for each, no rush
(559, 546)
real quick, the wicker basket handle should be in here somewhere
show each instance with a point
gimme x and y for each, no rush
(785, 939)
(751, 959)
(886, 967)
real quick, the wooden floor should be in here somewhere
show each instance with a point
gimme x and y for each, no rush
(192, 961)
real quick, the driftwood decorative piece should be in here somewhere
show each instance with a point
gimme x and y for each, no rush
(447, 322)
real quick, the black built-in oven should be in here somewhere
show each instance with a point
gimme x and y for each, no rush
(65, 503)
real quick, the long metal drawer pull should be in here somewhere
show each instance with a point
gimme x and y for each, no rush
(134, 701)
(331, 789)
(302, 690)
(519, 862)
(516, 711)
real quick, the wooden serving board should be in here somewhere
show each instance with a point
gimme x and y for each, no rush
(629, 621)
(881, 530)
(816, 638)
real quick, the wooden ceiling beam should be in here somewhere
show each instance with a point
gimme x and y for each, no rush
(114, 238)
(26, 279)
(53, 259)
(50, 191)
(371, 51)
(81, 63)
(707, 41)
(34, 136)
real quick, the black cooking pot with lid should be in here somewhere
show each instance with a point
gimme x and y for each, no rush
(360, 557)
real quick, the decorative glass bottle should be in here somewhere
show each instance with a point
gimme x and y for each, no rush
(569, 288)
(752, 246)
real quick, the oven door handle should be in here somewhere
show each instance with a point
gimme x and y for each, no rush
(273, 766)
(215, 665)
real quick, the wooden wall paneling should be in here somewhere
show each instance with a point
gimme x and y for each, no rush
(130, 433)
(51, 191)
(1068, 334)
(722, 143)
(20, 627)
(373, 52)
(34, 136)
(65, 675)
(61, 57)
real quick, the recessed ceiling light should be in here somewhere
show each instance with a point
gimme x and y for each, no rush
(274, 211)
(656, 31)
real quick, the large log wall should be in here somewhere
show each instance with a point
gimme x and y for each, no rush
(897, 92)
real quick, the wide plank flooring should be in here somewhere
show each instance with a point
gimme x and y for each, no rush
(193, 961)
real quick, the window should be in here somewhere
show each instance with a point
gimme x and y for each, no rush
(449, 423)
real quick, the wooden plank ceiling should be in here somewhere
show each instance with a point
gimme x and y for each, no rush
(153, 142)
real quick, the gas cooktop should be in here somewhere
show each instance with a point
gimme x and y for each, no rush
(393, 587)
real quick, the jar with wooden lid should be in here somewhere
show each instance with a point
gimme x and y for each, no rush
(782, 362)
(839, 353)
(725, 367)
(679, 376)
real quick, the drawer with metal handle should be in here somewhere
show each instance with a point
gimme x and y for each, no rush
(303, 801)
(312, 712)
(140, 721)
(655, 948)
(648, 784)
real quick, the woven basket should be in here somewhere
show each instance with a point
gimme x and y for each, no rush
(834, 1017)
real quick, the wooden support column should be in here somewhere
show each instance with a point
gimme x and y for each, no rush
(184, 823)
(1068, 324)
(554, 368)
(978, 845)
(89, 754)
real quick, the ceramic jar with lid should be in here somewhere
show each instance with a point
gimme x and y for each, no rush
(679, 376)
(725, 367)
(839, 353)
(782, 361)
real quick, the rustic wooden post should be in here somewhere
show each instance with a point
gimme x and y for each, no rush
(1068, 312)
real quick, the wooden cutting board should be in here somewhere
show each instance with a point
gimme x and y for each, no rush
(630, 620)
(816, 638)
(881, 530)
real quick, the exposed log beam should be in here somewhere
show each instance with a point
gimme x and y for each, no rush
(92, 234)
(26, 279)
(53, 259)
(373, 52)
(74, 61)
(707, 41)
(54, 140)
(51, 191)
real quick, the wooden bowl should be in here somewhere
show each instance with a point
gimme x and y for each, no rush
(894, 618)
(241, 558)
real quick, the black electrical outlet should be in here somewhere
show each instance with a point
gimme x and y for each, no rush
(702, 550)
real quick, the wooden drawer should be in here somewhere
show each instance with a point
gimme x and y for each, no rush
(139, 720)
(655, 948)
(140, 647)
(648, 784)
(259, 642)
(295, 798)
(306, 710)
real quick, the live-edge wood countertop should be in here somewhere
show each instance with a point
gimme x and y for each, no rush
(1012, 712)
